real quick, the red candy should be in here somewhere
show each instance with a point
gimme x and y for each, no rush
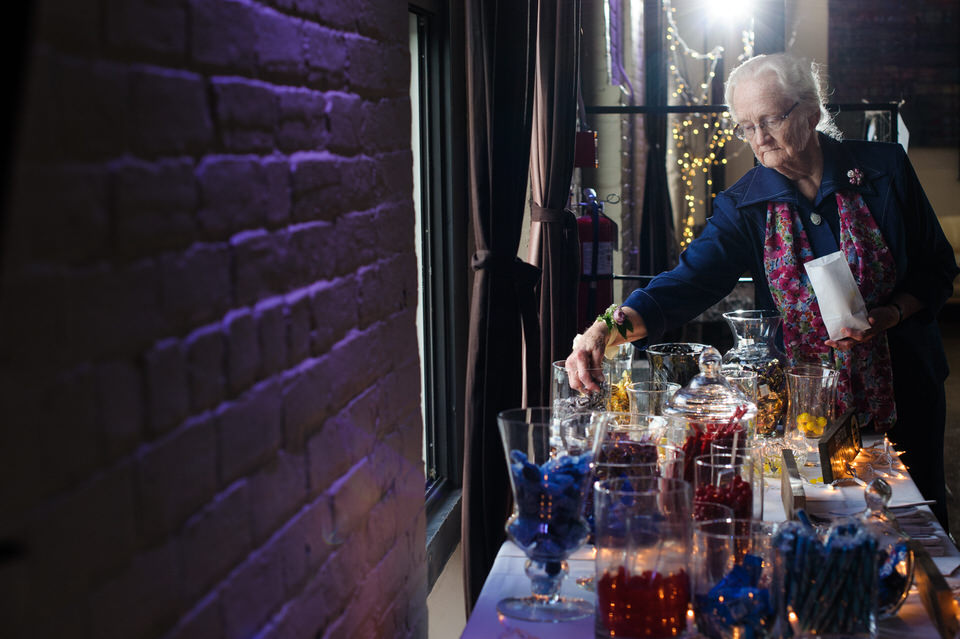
(736, 494)
(698, 444)
(705, 433)
(646, 605)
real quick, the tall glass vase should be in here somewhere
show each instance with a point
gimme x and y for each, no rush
(550, 463)
(756, 349)
(811, 408)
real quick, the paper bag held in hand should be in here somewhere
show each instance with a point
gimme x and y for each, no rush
(841, 305)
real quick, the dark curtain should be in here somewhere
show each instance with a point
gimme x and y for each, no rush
(553, 228)
(658, 248)
(500, 72)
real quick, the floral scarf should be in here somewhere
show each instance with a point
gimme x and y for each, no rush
(866, 376)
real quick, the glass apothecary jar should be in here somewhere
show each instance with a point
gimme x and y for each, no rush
(755, 349)
(825, 582)
(707, 410)
(895, 560)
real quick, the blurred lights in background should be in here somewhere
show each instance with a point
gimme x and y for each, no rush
(699, 139)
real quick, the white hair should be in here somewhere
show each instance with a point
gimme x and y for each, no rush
(799, 81)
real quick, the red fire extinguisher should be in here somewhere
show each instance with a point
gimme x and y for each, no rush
(598, 235)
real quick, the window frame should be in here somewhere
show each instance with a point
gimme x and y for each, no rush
(444, 243)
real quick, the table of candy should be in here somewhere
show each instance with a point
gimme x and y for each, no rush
(829, 572)
(507, 576)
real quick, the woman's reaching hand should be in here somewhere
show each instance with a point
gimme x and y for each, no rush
(587, 357)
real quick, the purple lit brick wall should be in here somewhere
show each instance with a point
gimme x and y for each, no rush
(210, 380)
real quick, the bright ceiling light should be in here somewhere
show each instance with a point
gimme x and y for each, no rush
(730, 10)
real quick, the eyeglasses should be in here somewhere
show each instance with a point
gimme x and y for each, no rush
(746, 132)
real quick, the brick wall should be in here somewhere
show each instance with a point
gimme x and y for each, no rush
(892, 51)
(210, 380)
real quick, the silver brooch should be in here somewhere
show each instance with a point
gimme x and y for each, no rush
(855, 176)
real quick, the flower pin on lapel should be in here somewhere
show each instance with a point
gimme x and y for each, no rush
(855, 176)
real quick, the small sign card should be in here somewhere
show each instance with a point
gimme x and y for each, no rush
(839, 445)
(791, 485)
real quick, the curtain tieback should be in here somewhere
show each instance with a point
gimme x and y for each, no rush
(511, 265)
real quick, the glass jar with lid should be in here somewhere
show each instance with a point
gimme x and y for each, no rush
(895, 560)
(707, 410)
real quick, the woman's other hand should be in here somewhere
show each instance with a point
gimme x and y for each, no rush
(587, 355)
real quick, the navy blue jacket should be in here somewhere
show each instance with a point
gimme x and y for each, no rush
(731, 245)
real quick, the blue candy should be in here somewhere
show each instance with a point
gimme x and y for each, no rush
(547, 522)
(738, 601)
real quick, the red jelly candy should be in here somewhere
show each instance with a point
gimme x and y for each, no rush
(646, 605)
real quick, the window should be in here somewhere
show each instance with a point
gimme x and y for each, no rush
(438, 144)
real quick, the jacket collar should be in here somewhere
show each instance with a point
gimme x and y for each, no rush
(766, 185)
(842, 171)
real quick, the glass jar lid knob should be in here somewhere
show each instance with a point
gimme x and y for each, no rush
(710, 362)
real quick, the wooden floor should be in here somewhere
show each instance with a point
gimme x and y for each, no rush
(446, 615)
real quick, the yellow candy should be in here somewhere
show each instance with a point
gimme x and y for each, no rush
(619, 400)
(811, 425)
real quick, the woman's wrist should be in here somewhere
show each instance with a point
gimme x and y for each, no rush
(616, 322)
(595, 335)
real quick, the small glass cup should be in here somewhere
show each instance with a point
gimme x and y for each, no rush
(628, 446)
(627, 439)
(732, 575)
(712, 552)
(650, 397)
(811, 407)
(733, 484)
(707, 510)
(667, 464)
(643, 542)
(742, 379)
(565, 400)
(747, 453)
(674, 362)
(745, 381)
(618, 372)
(627, 426)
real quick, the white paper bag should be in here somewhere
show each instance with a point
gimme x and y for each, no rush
(841, 304)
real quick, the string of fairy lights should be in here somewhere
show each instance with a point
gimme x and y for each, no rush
(698, 138)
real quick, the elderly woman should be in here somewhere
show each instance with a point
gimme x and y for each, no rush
(813, 195)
